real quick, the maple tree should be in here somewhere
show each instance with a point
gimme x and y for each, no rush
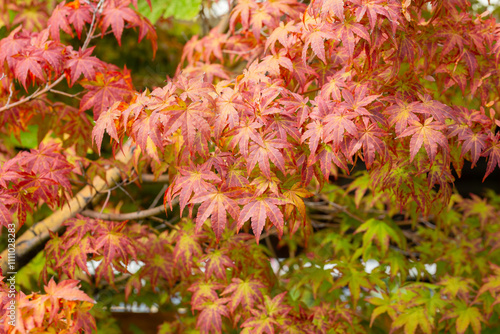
(331, 130)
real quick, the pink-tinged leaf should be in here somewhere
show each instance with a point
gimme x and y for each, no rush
(115, 15)
(210, 318)
(315, 134)
(493, 153)
(67, 289)
(186, 250)
(105, 90)
(336, 125)
(227, 112)
(428, 134)
(114, 244)
(316, 38)
(216, 204)
(258, 210)
(401, 114)
(369, 140)
(28, 66)
(335, 6)
(79, 15)
(82, 63)
(475, 144)
(329, 159)
(269, 151)
(107, 121)
(59, 21)
(203, 292)
(12, 45)
(243, 135)
(470, 60)
(191, 179)
(5, 214)
(281, 34)
(216, 264)
(244, 292)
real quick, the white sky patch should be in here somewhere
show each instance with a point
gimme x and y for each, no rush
(490, 5)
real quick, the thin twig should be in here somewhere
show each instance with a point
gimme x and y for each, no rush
(168, 223)
(74, 96)
(125, 216)
(11, 91)
(158, 197)
(151, 178)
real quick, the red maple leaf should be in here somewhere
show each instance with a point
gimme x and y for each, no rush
(113, 243)
(74, 254)
(29, 66)
(473, 143)
(79, 15)
(82, 62)
(316, 39)
(315, 133)
(328, 158)
(346, 31)
(107, 121)
(369, 139)
(227, 112)
(116, 13)
(217, 263)
(105, 90)
(244, 292)
(191, 179)
(210, 318)
(427, 134)
(258, 210)
(493, 153)
(243, 134)
(59, 21)
(67, 290)
(336, 124)
(217, 204)
(359, 101)
(187, 250)
(203, 292)
(269, 151)
(192, 120)
(147, 134)
(401, 114)
(6, 200)
(281, 34)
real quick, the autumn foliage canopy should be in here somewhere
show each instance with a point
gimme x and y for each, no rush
(332, 129)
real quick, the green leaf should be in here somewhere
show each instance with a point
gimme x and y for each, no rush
(179, 9)
(379, 230)
(470, 316)
(411, 318)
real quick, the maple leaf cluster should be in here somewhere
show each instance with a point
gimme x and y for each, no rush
(32, 178)
(87, 239)
(37, 54)
(323, 88)
(37, 58)
(37, 311)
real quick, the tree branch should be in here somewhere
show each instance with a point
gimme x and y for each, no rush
(124, 216)
(151, 178)
(33, 240)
